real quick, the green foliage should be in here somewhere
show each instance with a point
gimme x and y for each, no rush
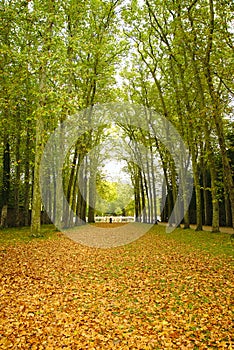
(62, 57)
(107, 190)
(114, 198)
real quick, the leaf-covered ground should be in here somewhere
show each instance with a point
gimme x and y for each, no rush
(159, 292)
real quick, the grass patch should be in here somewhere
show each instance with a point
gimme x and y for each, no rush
(23, 234)
(212, 243)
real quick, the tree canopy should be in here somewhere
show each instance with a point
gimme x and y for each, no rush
(61, 59)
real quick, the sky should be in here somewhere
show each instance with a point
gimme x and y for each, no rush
(114, 173)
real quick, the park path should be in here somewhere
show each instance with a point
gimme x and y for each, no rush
(105, 235)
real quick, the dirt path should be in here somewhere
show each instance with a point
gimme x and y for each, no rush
(105, 235)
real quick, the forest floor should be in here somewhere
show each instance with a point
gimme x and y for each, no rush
(222, 229)
(162, 291)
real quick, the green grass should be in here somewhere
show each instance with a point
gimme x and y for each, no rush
(23, 234)
(212, 243)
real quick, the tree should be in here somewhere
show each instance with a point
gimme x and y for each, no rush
(174, 44)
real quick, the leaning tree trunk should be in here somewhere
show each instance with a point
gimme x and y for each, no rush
(163, 201)
(197, 192)
(149, 194)
(215, 201)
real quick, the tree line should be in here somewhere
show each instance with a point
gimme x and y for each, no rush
(62, 58)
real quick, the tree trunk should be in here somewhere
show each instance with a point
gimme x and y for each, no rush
(198, 193)
(154, 212)
(78, 208)
(66, 214)
(207, 218)
(17, 184)
(58, 181)
(40, 129)
(36, 200)
(228, 213)
(149, 194)
(27, 178)
(137, 197)
(84, 197)
(142, 191)
(74, 197)
(174, 218)
(6, 183)
(215, 201)
(92, 190)
(81, 204)
(163, 201)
